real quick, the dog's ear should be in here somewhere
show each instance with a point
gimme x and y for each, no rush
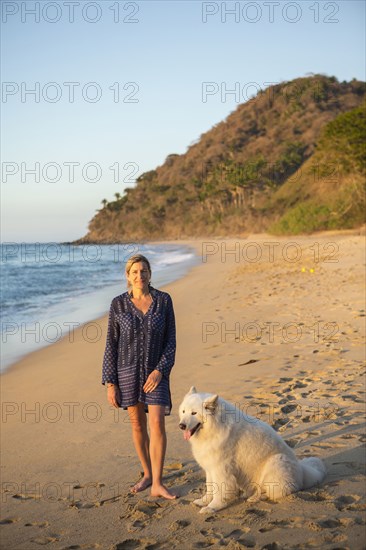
(192, 390)
(210, 404)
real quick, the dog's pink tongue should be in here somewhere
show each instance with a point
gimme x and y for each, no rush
(187, 434)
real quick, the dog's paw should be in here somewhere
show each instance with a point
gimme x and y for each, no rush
(200, 502)
(207, 510)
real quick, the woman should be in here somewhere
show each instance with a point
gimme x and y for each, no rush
(138, 358)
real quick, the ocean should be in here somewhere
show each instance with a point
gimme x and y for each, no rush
(50, 289)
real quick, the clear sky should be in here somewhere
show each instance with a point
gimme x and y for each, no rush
(95, 93)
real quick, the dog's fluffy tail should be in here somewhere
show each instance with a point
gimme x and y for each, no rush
(313, 471)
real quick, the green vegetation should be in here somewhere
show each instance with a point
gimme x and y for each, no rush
(304, 218)
(344, 211)
(343, 139)
(335, 175)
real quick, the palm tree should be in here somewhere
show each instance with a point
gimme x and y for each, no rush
(104, 202)
(118, 196)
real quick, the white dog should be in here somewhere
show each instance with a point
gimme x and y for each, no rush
(240, 453)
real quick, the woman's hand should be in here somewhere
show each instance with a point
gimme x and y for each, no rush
(113, 396)
(152, 381)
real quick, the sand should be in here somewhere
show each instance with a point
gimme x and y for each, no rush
(277, 328)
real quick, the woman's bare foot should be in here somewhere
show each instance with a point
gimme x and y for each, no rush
(141, 485)
(161, 491)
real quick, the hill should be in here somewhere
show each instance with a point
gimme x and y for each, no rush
(269, 162)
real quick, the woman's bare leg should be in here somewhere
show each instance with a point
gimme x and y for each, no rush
(140, 438)
(157, 450)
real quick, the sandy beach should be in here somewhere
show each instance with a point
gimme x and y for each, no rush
(273, 324)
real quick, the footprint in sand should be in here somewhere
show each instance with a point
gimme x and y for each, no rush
(316, 496)
(141, 514)
(136, 525)
(332, 523)
(299, 384)
(255, 515)
(267, 528)
(204, 543)
(79, 486)
(174, 466)
(237, 533)
(179, 524)
(110, 500)
(134, 544)
(289, 408)
(81, 547)
(44, 540)
(306, 394)
(246, 542)
(346, 502)
(282, 523)
(336, 537)
(211, 536)
(27, 496)
(234, 540)
(80, 505)
(9, 521)
(176, 473)
(293, 397)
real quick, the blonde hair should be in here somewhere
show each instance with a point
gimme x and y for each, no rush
(133, 260)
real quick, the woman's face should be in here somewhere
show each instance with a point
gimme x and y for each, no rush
(139, 275)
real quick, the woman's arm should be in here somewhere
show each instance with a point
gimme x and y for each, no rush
(110, 360)
(167, 358)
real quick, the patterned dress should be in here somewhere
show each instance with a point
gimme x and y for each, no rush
(136, 345)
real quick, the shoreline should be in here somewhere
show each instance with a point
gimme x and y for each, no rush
(257, 333)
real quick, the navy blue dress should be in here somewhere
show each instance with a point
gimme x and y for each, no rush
(136, 345)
